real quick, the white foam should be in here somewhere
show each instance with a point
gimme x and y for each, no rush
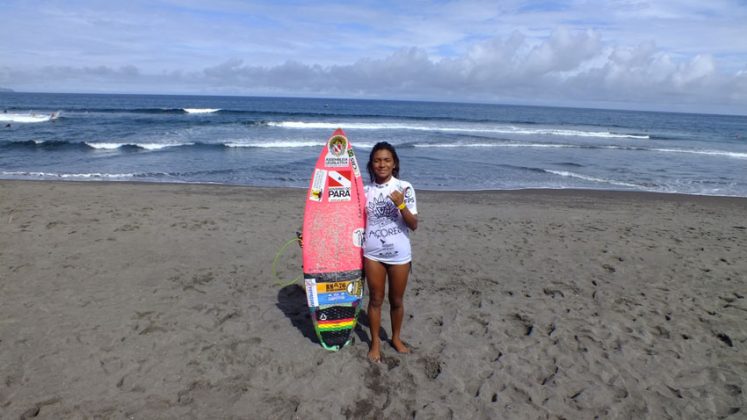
(28, 118)
(736, 155)
(276, 144)
(577, 133)
(105, 146)
(201, 110)
(595, 179)
(94, 175)
(146, 146)
(159, 146)
(455, 129)
(285, 144)
(460, 145)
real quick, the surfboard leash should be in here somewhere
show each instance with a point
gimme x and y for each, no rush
(280, 252)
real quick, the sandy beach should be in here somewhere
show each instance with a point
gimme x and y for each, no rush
(144, 301)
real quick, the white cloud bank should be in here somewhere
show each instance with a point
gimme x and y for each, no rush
(568, 68)
(679, 55)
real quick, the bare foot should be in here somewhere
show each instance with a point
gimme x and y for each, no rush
(399, 346)
(374, 353)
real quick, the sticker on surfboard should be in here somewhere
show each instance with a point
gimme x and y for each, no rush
(336, 148)
(317, 187)
(332, 293)
(358, 236)
(312, 297)
(339, 186)
(354, 163)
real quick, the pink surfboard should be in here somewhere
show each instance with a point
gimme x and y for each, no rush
(333, 230)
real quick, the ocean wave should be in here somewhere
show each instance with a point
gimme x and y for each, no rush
(568, 174)
(26, 118)
(45, 116)
(123, 146)
(175, 111)
(454, 129)
(144, 146)
(69, 145)
(45, 145)
(143, 110)
(459, 145)
(736, 155)
(51, 145)
(275, 144)
(201, 110)
(94, 175)
(717, 153)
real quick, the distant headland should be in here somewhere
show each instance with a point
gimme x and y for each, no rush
(2, 89)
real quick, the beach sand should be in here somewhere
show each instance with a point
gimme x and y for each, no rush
(125, 300)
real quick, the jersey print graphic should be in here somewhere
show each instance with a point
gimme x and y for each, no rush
(382, 210)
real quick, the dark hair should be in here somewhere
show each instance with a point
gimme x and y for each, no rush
(382, 146)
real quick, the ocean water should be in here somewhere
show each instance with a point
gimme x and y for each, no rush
(442, 146)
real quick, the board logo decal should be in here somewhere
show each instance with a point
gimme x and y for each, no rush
(337, 145)
(317, 187)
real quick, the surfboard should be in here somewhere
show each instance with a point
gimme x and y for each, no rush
(333, 230)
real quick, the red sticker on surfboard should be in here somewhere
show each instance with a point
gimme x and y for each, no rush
(339, 178)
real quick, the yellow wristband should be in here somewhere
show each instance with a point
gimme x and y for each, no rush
(402, 206)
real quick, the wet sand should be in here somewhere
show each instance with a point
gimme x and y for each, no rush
(124, 300)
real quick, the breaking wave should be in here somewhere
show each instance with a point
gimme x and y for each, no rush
(501, 129)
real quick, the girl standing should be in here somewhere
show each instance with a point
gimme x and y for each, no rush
(391, 212)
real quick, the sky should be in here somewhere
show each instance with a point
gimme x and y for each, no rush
(668, 55)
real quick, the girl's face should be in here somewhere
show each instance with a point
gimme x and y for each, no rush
(383, 164)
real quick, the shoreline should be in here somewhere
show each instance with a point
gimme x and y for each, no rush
(157, 300)
(560, 191)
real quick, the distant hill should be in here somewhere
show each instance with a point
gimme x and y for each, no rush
(6, 90)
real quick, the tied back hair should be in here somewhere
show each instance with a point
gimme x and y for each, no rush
(382, 146)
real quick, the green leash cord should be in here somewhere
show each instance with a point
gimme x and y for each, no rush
(280, 252)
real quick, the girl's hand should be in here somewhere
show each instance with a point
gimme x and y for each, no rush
(397, 197)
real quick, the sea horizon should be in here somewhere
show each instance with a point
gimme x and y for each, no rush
(617, 107)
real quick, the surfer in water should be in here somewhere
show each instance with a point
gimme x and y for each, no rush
(391, 212)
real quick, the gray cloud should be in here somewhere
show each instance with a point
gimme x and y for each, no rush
(568, 68)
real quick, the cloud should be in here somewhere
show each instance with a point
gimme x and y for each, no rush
(564, 51)
(668, 54)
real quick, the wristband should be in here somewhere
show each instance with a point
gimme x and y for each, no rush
(402, 206)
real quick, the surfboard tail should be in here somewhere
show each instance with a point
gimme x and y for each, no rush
(334, 300)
